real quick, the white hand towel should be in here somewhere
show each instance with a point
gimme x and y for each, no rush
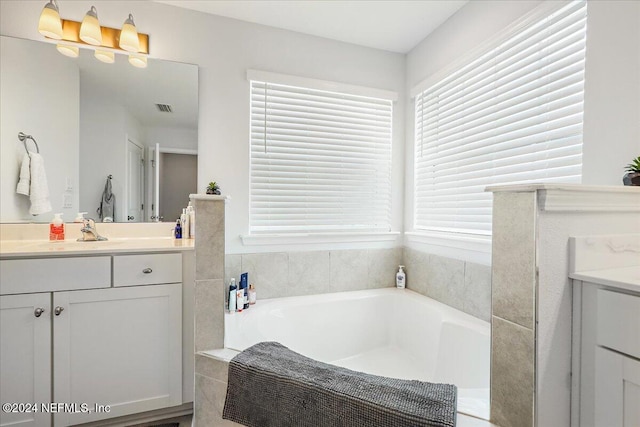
(25, 176)
(39, 190)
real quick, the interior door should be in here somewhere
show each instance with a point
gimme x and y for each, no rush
(156, 183)
(135, 182)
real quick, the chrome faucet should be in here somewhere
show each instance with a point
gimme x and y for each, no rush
(89, 232)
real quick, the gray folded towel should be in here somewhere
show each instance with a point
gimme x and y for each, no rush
(106, 210)
(270, 385)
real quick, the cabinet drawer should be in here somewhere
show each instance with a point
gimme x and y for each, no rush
(619, 322)
(130, 270)
(22, 276)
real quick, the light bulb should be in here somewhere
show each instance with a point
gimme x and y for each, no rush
(50, 24)
(90, 31)
(129, 36)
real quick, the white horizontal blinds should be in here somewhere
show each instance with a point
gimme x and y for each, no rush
(510, 116)
(320, 160)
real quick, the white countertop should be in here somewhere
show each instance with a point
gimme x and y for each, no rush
(627, 278)
(39, 248)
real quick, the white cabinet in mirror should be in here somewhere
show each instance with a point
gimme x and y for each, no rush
(92, 120)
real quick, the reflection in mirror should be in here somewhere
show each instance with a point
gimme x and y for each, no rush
(92, 120)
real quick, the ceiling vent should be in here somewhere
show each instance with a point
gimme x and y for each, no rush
(164, 108)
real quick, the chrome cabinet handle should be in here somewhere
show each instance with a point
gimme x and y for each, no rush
(147, 270)
(38, 312)
(58, 310)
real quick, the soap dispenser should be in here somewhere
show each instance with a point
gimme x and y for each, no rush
(56, 228)
(80, 217)
(400, 278)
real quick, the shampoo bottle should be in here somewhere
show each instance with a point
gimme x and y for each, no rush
(400, 278)
(56, 228)
(244, 285)
(233, 289)
(178, 230)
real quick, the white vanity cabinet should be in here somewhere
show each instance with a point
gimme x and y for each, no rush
(115, 349)
(606, 359)
(25, 356)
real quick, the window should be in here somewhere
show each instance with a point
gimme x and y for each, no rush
(320, 159)
(510, 115)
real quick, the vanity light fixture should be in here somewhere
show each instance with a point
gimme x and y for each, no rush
(129, 36)
(90, 31)
(88, 34)
(50, 24)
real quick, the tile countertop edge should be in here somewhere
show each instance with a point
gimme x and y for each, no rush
(34, 248)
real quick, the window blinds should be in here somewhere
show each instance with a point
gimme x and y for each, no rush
(320, 161)
(511, 115)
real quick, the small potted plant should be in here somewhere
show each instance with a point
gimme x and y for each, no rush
(213, 188)
(632, 177)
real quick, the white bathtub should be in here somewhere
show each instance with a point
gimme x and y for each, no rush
(389, 332)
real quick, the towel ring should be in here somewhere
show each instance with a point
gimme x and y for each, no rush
(23, 137)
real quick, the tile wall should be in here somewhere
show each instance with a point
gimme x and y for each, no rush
(463, 285)
(281, 274)
(460, 284)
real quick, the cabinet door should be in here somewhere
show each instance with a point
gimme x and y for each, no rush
(25, 356)
(119, 347)
(617, 389)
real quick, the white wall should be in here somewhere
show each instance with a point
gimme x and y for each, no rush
(224, 49)
(27, 90)
(612, 89)
(172, 137)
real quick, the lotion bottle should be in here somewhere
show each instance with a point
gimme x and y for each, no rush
(239, 299)
(192, 221)
(184, 222)
(252, 294)
(56, 228)
(400, 278)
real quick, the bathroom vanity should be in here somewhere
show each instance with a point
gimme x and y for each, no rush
(98, 329)
(606, 331)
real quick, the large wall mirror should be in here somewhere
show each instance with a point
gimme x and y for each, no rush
(93, 123)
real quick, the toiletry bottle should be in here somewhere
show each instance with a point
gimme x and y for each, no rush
(192, 221)
(244, 285)
(80, 217)
(252, 294)
(400, 278)
(184, 222)
(233, 289)
(56, 228)
(239, 300)
(178, 230)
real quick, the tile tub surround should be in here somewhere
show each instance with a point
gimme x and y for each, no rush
(460, 284)
(532, 299)
(282, 274)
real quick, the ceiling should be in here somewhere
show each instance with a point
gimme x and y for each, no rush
(396, 26)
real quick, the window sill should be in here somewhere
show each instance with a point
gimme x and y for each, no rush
(469, 242)
(311, 238)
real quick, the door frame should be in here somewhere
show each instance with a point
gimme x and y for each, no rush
(135, 142)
